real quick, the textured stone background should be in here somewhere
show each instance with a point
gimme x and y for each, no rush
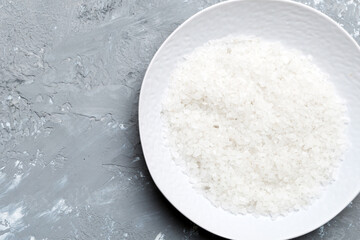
(71, 165)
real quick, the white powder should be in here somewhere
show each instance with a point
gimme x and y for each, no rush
(257, 126)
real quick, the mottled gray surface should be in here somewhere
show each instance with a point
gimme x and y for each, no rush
(71, 165)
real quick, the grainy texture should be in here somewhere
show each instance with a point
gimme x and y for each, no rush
(232, 145)
(71, 165)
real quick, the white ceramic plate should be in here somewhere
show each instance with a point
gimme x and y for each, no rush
(296, 26)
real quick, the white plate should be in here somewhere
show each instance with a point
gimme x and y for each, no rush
(296, 26)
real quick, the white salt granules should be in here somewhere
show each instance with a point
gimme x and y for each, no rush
(256, 126)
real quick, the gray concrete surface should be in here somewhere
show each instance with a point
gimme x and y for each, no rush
(71, 165)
